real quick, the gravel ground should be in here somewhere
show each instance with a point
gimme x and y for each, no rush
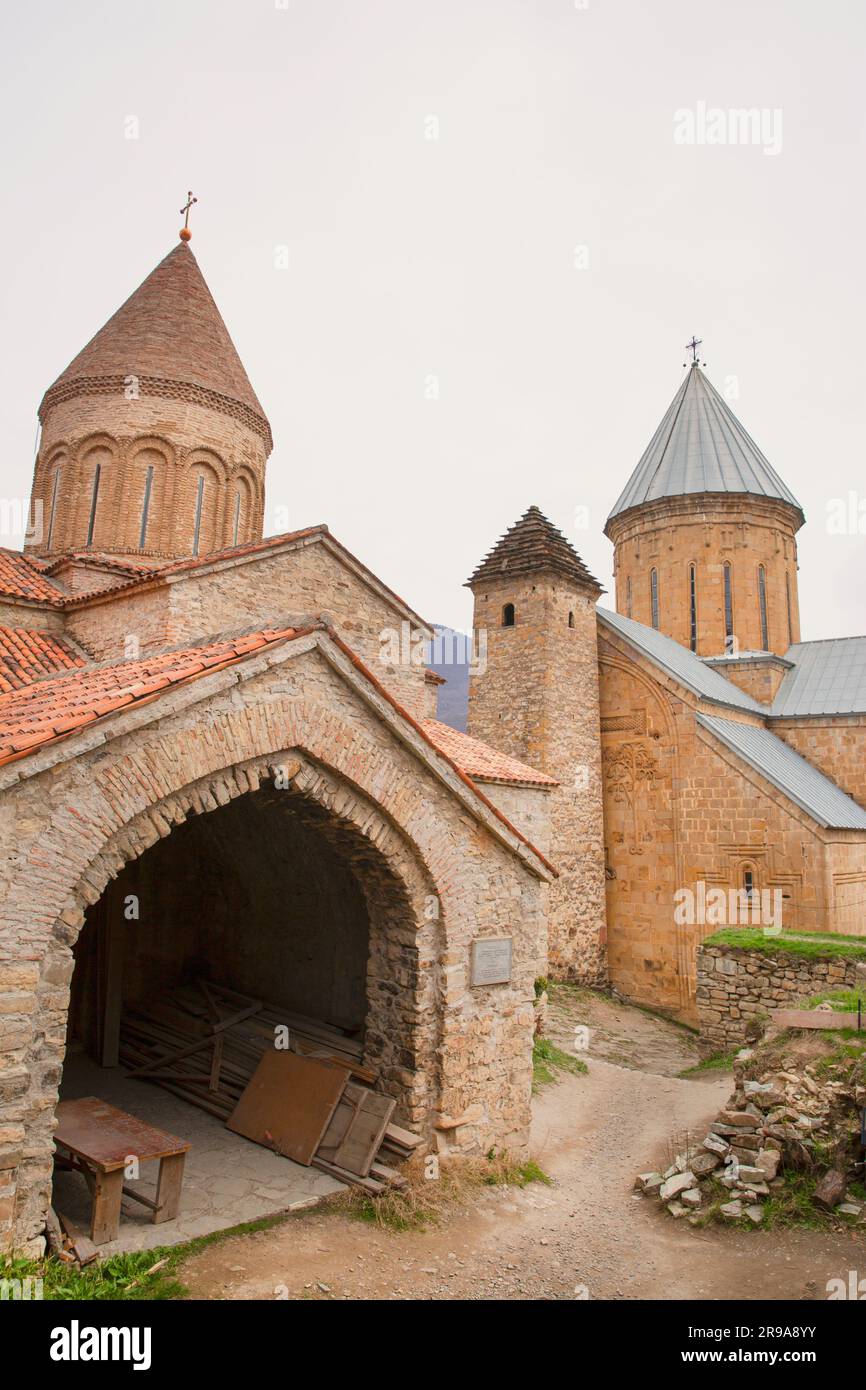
(587, 1236)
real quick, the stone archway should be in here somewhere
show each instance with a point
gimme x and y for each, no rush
(401, 1033)
(79, 812)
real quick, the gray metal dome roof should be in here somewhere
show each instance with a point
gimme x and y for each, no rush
(701, 447)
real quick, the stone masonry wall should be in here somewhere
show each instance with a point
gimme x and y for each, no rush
(680, 810)
(538, 701)
(305, 581)
(737, 988)
(836, 746)
(458, 1056)
(670, 535)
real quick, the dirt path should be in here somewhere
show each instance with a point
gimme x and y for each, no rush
(587, 1232)
(621, 1033)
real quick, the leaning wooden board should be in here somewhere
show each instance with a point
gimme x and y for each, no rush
(288, 1104)
(813, 1018)
(356, 1129)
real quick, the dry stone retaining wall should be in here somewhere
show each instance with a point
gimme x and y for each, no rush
(737, 987)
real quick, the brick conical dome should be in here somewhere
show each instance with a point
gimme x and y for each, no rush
(154, 443)
(168, 331)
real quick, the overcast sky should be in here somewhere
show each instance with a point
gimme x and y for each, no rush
(499, 234)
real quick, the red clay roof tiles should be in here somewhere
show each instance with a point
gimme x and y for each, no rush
(23, 576)
(43, 711)
(479, 759)
(25, 655)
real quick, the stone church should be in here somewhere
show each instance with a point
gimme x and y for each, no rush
(209, 724)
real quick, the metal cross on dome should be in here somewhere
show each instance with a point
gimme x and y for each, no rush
(694, 345)
(185, 232)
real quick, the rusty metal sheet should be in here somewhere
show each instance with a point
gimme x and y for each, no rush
(288, 1104)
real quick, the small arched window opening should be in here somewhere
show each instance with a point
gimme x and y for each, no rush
(508, 615)
(94, 498)
(729, 611)
(55, 493)
(628, 597)
(654, 597)
(571, 620)
(750, 885)
(145, 506)
(762, 602)
(236, 524)
(199, 500)
(693, 608)
(788, 602)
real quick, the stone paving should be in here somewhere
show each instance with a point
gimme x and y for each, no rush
(227, 1179)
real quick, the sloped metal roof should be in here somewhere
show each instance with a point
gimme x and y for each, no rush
(700, 446)
(828, 677)
(682, 664)
(798, 779)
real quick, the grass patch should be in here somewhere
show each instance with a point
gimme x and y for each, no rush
(812, 945)
(139, 1275)
(425, 1201)
(786, 1207)
(719, 1061)
(549, 1062)
(842, 1001)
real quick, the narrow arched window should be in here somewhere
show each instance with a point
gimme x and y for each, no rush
(237, 521)
(654, 597)
(787, 599)
(55, 492)
(199, 500)
(508, 615)
(571, 620)
(628, 597)
(693, 608)
(145, 506)
(762, 602)
(729, 610)
(94, 498)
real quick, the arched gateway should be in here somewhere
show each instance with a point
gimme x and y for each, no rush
(284, 830)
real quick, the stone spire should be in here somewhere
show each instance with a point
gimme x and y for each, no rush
(170, 337)
(154, 442)
(533, 543)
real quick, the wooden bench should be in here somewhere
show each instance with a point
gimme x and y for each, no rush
(98, 1140)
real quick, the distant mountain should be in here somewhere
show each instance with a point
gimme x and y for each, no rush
(449, 657)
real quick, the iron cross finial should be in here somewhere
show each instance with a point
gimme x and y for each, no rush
(185, 232)
(693, 346)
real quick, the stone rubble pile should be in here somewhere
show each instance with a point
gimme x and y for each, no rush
(787, 1121)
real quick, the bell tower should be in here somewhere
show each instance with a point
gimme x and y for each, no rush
(704, 534)
(153, 442)
(538, 700)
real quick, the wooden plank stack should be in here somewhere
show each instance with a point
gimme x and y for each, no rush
(205, 1044)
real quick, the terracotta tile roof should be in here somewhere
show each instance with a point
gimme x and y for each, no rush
(134, 568)
(480, 760)
(23, 576)
(26, 655)
(59, 706)
(51, 708)
(533, 544)
(169, 330)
